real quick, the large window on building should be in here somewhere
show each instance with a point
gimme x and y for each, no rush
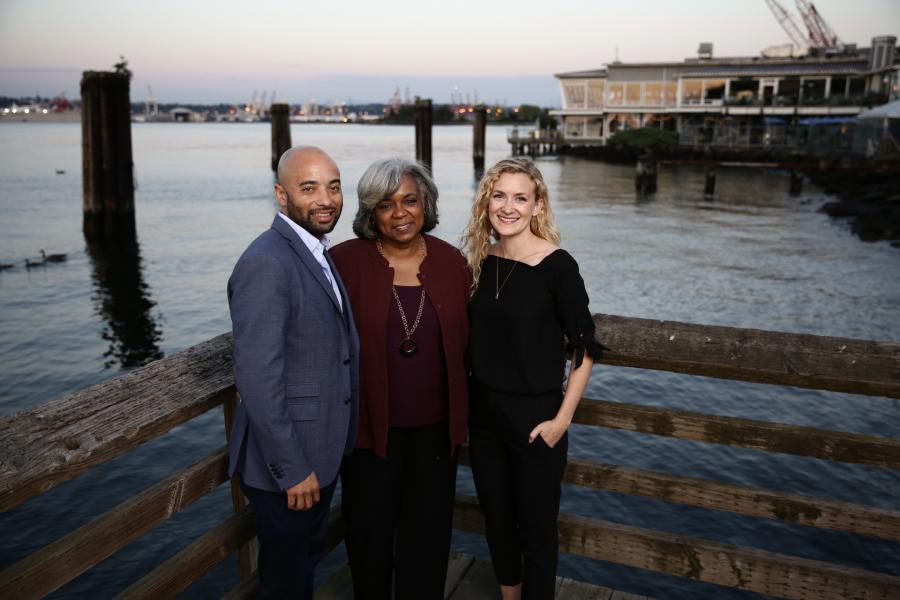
(621, 122)
(574, 127)
(595, 90)
(813, 91)
(653, 93)
(632, 93)
(660, 121)
(713, 90)
(670, 92)
(615, 94)
(594, 127)
(788, 91)
(574, 91)
(838, 87)
(856, 87)
(743, 91)
(691, 91)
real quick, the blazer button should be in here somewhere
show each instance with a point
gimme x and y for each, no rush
(346, 361)
(347, 401)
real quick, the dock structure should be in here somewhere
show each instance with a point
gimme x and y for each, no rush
(49, 444)
(532, 141)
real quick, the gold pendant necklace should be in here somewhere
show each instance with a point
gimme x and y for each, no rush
(497, 285)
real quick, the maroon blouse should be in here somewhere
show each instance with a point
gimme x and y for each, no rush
(417, 384)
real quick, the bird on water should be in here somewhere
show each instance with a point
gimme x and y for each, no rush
(52, 257)
(31, 264)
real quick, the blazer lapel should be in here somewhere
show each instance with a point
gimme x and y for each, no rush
(307, 259)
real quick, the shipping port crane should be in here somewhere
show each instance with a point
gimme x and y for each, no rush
(819, 33)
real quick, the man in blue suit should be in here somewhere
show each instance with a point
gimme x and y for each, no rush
(295, 367)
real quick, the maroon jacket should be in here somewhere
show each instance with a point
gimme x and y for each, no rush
(368, 279)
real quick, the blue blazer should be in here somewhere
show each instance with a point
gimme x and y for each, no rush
(296, 365)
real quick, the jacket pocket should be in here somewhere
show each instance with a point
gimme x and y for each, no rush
(303, 401)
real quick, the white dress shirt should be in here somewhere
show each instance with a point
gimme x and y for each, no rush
(317, 247)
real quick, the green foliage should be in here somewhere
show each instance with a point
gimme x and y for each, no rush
(121, 67)
(645, 138)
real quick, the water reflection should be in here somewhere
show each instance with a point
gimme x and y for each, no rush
(122, 299)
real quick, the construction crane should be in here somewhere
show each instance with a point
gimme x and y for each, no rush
(787, 23)
(819, 34)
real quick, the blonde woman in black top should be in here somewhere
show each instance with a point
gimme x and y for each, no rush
(528, 307)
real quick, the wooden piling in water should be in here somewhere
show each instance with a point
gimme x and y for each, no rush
(423, 132)
(281, 131)
(709, 186)
(106, 159)
(645, 175)
(796, 183)
(479, 137)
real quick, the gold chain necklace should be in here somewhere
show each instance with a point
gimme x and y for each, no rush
(408, 346)
(497, 285)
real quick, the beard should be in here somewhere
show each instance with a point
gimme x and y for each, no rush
(306, 218)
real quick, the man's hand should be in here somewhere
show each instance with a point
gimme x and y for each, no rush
(304, 495)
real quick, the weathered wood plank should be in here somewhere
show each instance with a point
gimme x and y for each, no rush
(729, 497)
(53, 442)
(569, 589)
(53, 566)
(187, 566)
(247, 589)
(337, 587)
(457, 568)
(743, 433)
(479, 583)
(712, 562)
(810, 361)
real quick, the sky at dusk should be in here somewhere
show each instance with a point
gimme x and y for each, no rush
(203, 51)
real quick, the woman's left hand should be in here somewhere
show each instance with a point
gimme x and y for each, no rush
(551, 431)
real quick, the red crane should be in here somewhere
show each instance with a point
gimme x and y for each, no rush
(819, 34)
(787, 23)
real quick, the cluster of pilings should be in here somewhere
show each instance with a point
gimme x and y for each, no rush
(646, 171)
(108, 169)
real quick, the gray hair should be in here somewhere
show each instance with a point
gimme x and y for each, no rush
(381, 180)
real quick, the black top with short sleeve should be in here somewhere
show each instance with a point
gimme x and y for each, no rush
(518, 342)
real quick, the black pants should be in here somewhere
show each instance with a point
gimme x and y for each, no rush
(291, 542)
(518, 486)
(399, 514)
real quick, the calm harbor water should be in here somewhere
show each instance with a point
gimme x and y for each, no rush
(754, 257)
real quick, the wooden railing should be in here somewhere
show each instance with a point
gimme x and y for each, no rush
(54, 442)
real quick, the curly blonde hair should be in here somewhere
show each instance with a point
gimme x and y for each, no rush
(476, 239)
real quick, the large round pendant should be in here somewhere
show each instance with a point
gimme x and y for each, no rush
(408, 347)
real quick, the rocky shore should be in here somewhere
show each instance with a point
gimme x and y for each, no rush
(869, 199)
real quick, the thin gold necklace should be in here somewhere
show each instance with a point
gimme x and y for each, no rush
(497, 285)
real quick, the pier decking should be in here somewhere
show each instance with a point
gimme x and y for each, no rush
(49, 444)
(469, 578)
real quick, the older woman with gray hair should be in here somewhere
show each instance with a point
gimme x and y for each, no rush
(409, 292)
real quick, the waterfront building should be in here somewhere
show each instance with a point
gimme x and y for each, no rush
(729, 101)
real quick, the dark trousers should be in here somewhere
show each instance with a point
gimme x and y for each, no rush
(291, 542)
(399, 514)
(518, 486)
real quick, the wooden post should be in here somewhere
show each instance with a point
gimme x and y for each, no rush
(106, 160)
(478, 138)
(796, 183)
(709, 187)
(281, 131)
(423, 132)
(645, 175)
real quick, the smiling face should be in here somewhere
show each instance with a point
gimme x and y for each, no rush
(400, 216)
(309, 191)
(512, 204)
